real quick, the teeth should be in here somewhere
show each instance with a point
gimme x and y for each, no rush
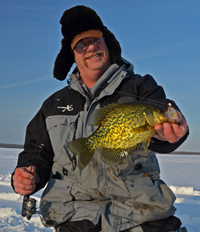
(94, 56)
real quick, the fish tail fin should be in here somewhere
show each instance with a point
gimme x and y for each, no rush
(79, 147)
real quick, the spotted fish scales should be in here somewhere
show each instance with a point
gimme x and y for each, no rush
(122, 127)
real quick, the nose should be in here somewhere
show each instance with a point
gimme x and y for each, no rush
(91, 46)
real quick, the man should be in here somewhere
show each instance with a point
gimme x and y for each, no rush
(127, 197)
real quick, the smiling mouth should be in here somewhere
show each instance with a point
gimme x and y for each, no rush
(95, 56)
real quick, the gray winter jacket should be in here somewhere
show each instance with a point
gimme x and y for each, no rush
(125, 195)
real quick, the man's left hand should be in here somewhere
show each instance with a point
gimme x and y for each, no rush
(171, 132)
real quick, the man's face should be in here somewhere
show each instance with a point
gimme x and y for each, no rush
(92, 55)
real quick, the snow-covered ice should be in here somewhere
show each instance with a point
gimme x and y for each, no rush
(10, 202)
(180, 172)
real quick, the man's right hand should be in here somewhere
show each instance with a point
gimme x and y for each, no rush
(24, 180)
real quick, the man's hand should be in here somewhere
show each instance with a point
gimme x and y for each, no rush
(171, 132)
(24, 180)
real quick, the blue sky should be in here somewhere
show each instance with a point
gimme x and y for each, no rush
(161, 38)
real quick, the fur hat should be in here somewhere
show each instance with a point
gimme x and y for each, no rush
(75, 21)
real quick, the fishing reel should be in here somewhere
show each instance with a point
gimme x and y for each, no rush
(28, 207)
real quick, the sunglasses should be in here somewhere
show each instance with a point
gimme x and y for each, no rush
(83, 45)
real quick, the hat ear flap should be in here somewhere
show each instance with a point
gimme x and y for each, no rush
(64, 61)
(113, 46)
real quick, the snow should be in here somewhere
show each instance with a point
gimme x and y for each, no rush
(180, 172)
(10, 202)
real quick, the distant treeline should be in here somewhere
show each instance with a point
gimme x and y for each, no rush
(185, 153)
(8, 145)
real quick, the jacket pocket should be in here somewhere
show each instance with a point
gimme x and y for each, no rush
(61, 130)
(151, 200)
(59, 126)
(58, 190)
(56, 203)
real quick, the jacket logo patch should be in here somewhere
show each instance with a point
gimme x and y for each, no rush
(68, 108)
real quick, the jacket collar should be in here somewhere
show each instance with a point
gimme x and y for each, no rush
(109, 76)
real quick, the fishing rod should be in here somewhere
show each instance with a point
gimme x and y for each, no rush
(29, 204)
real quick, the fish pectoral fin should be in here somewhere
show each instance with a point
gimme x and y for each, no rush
(149, 118)
(79, 147)
(145, 143)
(140, 129)
(114, 156)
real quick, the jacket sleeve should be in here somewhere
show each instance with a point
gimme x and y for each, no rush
(37, 150)
(148, 90)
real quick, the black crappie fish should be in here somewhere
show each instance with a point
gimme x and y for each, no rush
(122, 126)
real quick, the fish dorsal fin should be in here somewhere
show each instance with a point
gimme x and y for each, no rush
(99, 115)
